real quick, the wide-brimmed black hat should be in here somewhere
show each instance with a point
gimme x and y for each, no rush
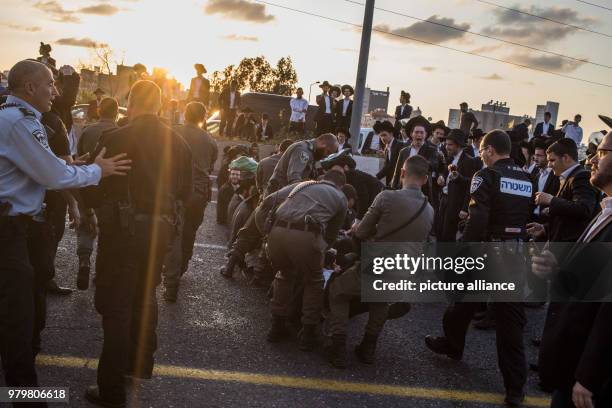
(200, 67)
(325, 83)
(384, 126)
(99, 91)
(606, 119)
(417, 121)
(457, 136)
(440, 125)
(476, 134)
(350, 88)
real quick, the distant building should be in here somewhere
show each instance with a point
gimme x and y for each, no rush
(375, 100)
(552, 107)
(492, 116)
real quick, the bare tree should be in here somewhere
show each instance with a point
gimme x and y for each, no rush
(104, 57)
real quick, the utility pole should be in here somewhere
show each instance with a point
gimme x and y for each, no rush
(362, 73)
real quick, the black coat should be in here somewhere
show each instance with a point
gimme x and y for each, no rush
(388, 168)
(269, 133)
(577, 335)
(551, 187)
(367, 187)
(540, 127)
(427, 151)
(343, 122)
(572, 208)
(322, 106)
(225, 99)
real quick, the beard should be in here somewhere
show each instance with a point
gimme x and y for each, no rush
(319, 154)
(601, 179)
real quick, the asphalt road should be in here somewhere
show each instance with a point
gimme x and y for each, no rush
(213, 353)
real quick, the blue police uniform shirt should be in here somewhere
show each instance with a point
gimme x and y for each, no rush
(28, 167)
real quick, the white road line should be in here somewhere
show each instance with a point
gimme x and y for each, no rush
(211, 246)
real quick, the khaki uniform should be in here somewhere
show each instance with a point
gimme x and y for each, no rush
(390, 209)
(306, 224)
(295, 165)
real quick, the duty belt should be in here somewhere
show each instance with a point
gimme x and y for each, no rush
(299, 226)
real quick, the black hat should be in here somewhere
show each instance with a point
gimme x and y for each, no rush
(417, 121)
(457, 136)
(440, 125)
(99, 91)
(325, 83)
(350, 88)
(606, 119)
(384, 126)
(200, 67)
(335, 88)
(341, 158)
(476, 134)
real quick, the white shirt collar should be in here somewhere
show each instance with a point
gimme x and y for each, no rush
(606, 204)
(14, 99)
(567, 172)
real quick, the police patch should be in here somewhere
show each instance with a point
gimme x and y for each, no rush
(40, 136)
(515, 187)
(476, 182)
(304, 158)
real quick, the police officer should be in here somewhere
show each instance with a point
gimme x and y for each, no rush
(27, 169)
(266, 166)
(297, 163)
(305, 225)
(496, 213)
(395, 216)
(137, 215)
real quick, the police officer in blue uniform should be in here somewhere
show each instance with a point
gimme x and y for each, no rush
(27, 168)
(501, 199)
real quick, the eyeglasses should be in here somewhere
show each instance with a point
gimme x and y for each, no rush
(481, 150)
(601, 153)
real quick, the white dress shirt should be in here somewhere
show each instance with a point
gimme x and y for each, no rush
(413, 151)
(573, 132)
(606, 211)
(327, 104)
(298, 109)
(476, 150)
(545, 127)
(232, 99)
(541, 183)
(345, 104)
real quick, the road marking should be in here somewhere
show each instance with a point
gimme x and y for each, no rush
(319, 384)
(211, 246)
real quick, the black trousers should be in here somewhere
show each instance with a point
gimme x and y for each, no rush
(325, 124)
(128, 269)
(226, 126)
(16, 305)
(194, 214)
(510, 322)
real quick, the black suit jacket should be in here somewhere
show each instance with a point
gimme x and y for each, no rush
(389, 167)
(367, 187)
(551, 186)
(322, 106)
(572, 208)
(402, 115)
(225, 99)
(428, 152)
(458, 196)
(269, 134)
(577, 335)
(540, 127)
(343, 121)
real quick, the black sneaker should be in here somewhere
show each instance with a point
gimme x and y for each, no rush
(54, 289)
(439, 345)
(514, 400)
(278, 331)
(308, 337)
(92, 394)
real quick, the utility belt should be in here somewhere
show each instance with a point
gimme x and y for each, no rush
(300, 226)
(499, 233)
(128, 217)
(6, 219)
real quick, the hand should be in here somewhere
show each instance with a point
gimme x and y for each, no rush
(535, 230)
(463, 215)
(546, 211)
(542, 198)
(441, 181)
(113, 166)
(74, 214)
(355, 226)
(81, 160)
(544, 265)
(582, 397)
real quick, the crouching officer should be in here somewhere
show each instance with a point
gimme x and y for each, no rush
(305, 225)
(137, 216)
(27, 168)
(499, 209)
(297, 162)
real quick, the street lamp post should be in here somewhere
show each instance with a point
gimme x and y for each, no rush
(310, 90)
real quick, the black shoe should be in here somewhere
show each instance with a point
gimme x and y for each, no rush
(366, 350)
(514, 400)
(534, 305)
(308, 337)
(534, 367)
(336, 352)
(53, 289)
(397, 310)
(227, 271)
(278, 331)
(536, 341)
(92, 394)
(82, 281)
(439, 345)
(170, 294)
(485, 324)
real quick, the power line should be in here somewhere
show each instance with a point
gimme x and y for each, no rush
(545, 18)
(486, 36)
(430, 43)
(595, 5)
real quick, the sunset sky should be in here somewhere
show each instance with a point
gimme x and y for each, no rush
(175, 34)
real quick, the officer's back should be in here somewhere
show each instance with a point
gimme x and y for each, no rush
(108, 111)
(295, 164)
(161, 160)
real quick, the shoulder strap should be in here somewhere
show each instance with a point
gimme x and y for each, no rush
(410, 221)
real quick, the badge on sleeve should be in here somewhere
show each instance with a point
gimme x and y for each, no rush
(304, 158)
(476, 182)
(40, 136)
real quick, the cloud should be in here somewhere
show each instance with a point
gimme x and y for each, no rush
(79, 42)
(100, 10)
(57, 12)
(492, 77)
(235, 37)
(30, 29)
(546, 62)
(428, 32)
(239, 10)
(518, 27)
(345, 49)
(428, 69)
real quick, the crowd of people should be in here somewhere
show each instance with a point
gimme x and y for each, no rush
(296, 222)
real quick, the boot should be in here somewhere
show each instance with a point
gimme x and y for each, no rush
(278, 331)
(440, 345)
(54, 289)
(170, 294)
(82, 282)
(366, 351)
(228, 270)
(92, 394)
(336, 352)
(308, 337)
